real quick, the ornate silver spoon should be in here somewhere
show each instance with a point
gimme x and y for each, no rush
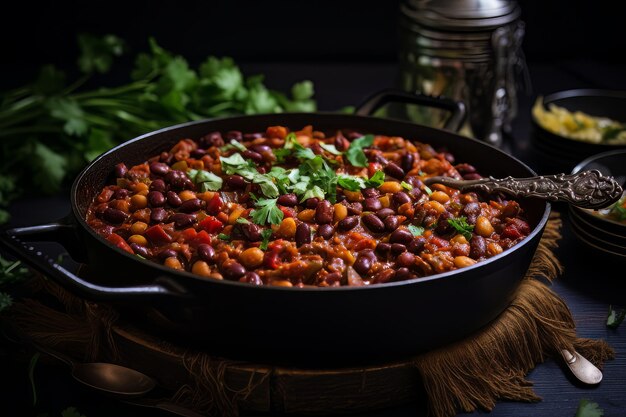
(585, 189)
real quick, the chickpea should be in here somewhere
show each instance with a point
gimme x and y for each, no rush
(138, 239)
(201, 268)
(483, 227)
(463, 261)
(173, 262)
(281, 283)
(494, 249)
(434, 205)
(341, 212)
(287, 228)
(390, 187)
(306, 215)
(138, 202)
(138, 228)
(251, 258)
(141, 188)
(187, 195)
(384, 201)
(440, 197)
(460, 239)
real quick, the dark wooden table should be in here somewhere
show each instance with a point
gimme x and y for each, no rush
(589, 283)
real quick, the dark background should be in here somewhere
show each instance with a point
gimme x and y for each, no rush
(292, 31)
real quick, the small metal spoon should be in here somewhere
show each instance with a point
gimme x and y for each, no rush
(585, 189)
(107, 377)
(582, 369)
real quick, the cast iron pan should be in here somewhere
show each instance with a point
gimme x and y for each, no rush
(303, 326)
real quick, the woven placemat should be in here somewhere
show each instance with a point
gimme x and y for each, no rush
(536, 325)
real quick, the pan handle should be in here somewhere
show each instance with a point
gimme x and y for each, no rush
(456, 108)
(15, 241)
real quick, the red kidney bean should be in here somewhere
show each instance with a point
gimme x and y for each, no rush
(394, 170)
(443, 226)
(251, 231)
(255, 156)
(303, 234)
(355, 208)
(391, 223)
(191, 205)
(384, 213)
(397, 248)
(212, 139)
(198, 153)
(166, 253)
(372, 204)
(416, 245)
(449, 157)
(139, 250)
(252, 136)
(341, 143)
(234, 134)
(383, 249)
(120, 194)
(114, 216)
(325, 231)
(332, 278)
(385, 275)
(373, 223)
(311, 203)
(402, 274)
(471, 211)
(348, 223)
(287, 200)
(407, 161)
(362, 264)
(120, 170)
(173, 199)
(236, 182)
(472, 176)
(374, 155)
(478, 247)
(205, 252)
(182, 220)
(176, 179)
(166, 157)
(158, 185)
(251, 278)
(352, 134)
(400, 198)
(416, 193)
(156, 199)
(159, 168)
(405, 259)
(158, 215)
(324, 212)
(401, 236)
(465, 169)
(370, 192)
(232, 270)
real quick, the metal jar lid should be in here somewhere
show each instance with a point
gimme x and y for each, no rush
(461, 15)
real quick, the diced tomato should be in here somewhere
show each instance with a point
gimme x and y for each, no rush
(373, 167)
(364, 244)
(511, 232)
(119, 241)
(287, 211)
(211, 225)
(214, 205)
(157, 235)
(202, 237)
(520, 225)
(279, 132)
(189, 233)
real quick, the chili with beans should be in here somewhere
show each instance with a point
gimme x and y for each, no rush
(303, 208)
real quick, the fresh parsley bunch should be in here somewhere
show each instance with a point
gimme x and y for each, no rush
(50, 128)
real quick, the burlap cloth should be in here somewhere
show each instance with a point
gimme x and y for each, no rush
(468, 375)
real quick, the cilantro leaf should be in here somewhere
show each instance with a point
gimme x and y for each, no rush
(223, 236)
(315, 192)
(267, 212)
(49, 167)
(233, 145)
(69, 111)
(303, 153)
(406, 185)
(355, 153)
(330, 148)
(587, 408)
(97, 52)
(376, 180)
(205, 180)
(350, 182)
(615, 318)
(461, 226)
(266, 234)
(416, 230)
(428, 190)
(302, 90)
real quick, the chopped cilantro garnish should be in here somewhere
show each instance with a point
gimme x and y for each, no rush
(461, 226)
(315, 192)
(241, 220)
(223, 236)
(375, 180)
(301, 152)
(267, 212)
(355, 153)
(615, 318)
(233, 145)
(588, 408)
(428, 190)
(205, 180)
(330, 148)
(266, 234)
(406, 185)
(350, 182)
(416, 230)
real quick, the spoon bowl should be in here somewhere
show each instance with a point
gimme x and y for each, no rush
(113, 379)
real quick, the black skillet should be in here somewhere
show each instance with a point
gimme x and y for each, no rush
(304, 326)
